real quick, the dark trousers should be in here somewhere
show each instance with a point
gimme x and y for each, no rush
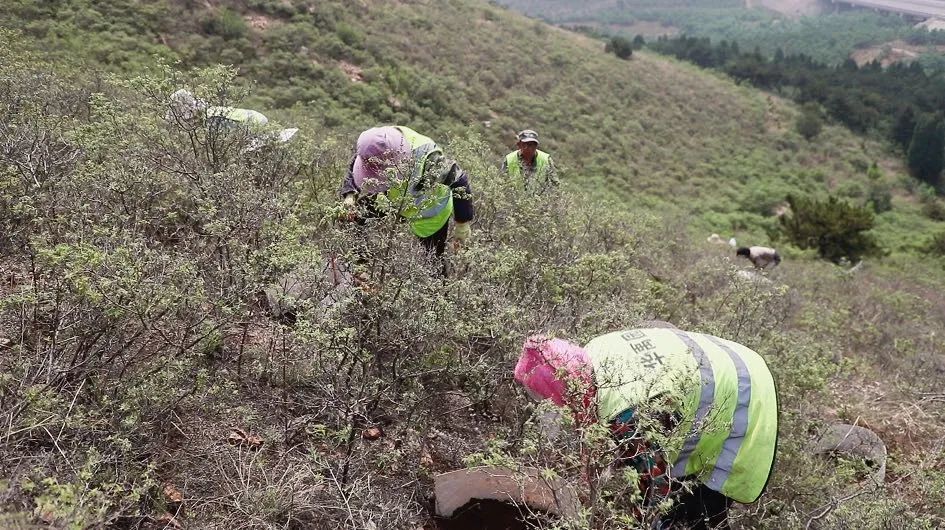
(437, 242)
(700, 509)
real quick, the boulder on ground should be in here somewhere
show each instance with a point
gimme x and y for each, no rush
(332, 282)
(456, 489)
(851, 440)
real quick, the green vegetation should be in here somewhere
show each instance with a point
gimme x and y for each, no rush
(811, 121)
(334, 70)
(828, 38)
(926, 153)
(836, 229)
(864, 99)
(621, 47)
(141, 375)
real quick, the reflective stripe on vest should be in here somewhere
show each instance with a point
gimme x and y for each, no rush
(428, 211)
(514, 164)
(247, 116)
(723, 392)
(706, 397)
(726, 461)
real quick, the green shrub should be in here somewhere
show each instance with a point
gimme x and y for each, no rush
(879, 197)
(620, 46)
(810, 122)
(836, 228)
(226, 23)
(936, 245)
(933, 208)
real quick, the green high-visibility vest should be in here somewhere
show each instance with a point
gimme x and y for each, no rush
(514, 164)
(428, 210)
(244, 116)
(722, 390)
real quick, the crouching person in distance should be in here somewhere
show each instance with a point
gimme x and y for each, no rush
(189, 111)
(760, 257)
(409, 172)
(717, 395)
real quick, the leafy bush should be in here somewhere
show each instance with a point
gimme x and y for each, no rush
(936, 244)
(226, 23)
(620, 46)
(837, 229)
(810, 122)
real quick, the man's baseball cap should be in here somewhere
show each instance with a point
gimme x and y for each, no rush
(528, 135)
(378, 149)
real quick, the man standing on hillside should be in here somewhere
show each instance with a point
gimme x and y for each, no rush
(415, 180)
(534, 167)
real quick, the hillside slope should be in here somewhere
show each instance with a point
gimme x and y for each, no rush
(649, 131)
(142, 376)
(793, 26)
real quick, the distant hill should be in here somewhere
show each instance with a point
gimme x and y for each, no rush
(793, 26)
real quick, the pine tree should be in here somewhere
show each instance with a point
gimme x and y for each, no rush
(926, 155)
(810, 122)
(837, 229)
(904, 128)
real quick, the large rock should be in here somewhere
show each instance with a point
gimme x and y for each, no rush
(456, 489)
(751, 277)
(331, 282)
(851, 440)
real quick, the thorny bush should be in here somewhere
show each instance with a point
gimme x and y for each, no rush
(144, 379)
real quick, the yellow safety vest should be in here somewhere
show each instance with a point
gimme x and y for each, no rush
(723, 391)
(427, 210)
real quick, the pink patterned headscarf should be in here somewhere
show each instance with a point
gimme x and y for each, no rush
(553, 369)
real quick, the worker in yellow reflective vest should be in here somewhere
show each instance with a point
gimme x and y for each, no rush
(187, 110)
(415, 179)
(530, 165)
(715, 399)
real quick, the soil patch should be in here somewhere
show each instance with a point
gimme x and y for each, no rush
(897, 51)
(646, 29)
(791, 8)
(487, 515)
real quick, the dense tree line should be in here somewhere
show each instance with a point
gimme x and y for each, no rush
(902, 102)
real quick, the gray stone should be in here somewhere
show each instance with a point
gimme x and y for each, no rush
(332, 282)
(855, 441)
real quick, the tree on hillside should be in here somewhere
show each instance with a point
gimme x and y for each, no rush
(879, 193)
(810, 122)
(902, 130)
(935, 245)
(620, 46)
(837, 229)
(926, 154)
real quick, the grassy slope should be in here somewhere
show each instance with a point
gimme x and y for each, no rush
(649, 131)
(652, 131)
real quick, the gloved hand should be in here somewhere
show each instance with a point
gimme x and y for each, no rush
(462, 231)
(351, 208)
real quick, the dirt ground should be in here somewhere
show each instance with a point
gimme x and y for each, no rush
(889, 53)
(793, 8)
(484, 514)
